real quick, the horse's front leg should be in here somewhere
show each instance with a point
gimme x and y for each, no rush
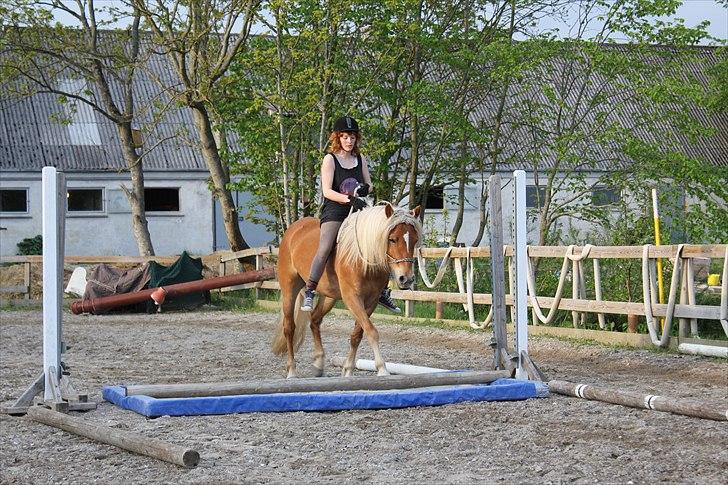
(354, 340)
(323, 307)
(361, 311)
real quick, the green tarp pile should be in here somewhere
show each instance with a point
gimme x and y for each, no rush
(183, 270)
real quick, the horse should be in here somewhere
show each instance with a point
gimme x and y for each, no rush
(372, 244)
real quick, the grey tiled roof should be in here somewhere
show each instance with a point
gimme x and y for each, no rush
(30, 138)
(712, 149)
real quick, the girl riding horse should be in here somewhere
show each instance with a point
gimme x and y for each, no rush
(344, 176)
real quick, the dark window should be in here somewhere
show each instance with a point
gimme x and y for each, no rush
(605, 196)
(13, 200)
(85, 200)
(161, 200)
(435, 198)
(535, 198)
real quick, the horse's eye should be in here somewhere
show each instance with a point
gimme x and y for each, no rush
(392, 241)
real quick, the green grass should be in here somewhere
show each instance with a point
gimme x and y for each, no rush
(235, 301)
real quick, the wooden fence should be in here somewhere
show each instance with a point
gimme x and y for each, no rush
(29, 261)
(685, 307)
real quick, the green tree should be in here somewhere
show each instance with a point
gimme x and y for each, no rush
(625, 111)
(199, 40)
(81, 64)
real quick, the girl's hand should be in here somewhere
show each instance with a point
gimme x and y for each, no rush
(362, 190)
(357, 203)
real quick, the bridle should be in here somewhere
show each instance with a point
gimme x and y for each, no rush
(400, 260)
(390, 259)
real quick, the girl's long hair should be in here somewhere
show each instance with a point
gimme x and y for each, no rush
(335, 144)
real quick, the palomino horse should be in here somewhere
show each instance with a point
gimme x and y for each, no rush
(372, 244)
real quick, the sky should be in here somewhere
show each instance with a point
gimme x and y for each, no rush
(692, 11)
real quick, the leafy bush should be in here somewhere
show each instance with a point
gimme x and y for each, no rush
(31, 245)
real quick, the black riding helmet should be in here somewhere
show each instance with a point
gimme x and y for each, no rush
(346, 123)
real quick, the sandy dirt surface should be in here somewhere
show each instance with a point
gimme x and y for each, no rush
(557, 439)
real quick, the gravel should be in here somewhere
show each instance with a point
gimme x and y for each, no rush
(558, 439)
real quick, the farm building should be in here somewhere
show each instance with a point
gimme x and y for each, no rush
(182, 214)
(41, 131)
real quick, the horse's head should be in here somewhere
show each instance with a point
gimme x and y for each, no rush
(402, 240)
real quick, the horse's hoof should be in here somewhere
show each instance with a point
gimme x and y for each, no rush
(347, 373)
(383, 372)
(291, 375)
(318, 372)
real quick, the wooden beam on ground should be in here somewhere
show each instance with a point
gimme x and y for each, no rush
(686, 407)
(126, 440)
(315, 384)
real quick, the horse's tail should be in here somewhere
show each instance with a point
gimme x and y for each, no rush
(301, 321)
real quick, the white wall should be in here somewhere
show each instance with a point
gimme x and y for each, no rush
(110, 232)
(440, 222)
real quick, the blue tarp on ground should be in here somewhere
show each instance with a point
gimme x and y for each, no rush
(500, 390)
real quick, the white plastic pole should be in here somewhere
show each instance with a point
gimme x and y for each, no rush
(54, 192)
(520, 255)
(707, 350)
(392, 367)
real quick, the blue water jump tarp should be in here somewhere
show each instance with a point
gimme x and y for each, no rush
(500, 390)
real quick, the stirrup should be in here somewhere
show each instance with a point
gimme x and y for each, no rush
(386, 301)
(307, 305)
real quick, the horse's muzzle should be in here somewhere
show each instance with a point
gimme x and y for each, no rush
(405, 282)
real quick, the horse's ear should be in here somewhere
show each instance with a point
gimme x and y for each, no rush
(416, 211)
(388, 210)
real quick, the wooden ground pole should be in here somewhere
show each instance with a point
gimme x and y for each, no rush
(126, 440)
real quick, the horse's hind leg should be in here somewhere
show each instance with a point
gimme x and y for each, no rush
(323, 307)
(289, 303)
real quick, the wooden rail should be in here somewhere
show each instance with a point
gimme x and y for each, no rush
(616, 252)
(686, 310)
(29, 261)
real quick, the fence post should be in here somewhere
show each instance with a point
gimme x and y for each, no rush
(409, 305)
(575, 290)
(497, 271)
(683, 325)
(26, 279)
(258, 267)
(690, 270)
(438, 309)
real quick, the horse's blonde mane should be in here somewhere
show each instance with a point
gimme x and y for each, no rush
(364, 236)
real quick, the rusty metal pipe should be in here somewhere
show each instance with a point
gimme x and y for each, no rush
(108, 302)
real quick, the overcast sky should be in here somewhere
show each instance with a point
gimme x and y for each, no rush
(693, 11)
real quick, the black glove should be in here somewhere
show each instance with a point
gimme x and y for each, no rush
(357, 203)
(362, 190)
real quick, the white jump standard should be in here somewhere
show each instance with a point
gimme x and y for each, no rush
(54, 380)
